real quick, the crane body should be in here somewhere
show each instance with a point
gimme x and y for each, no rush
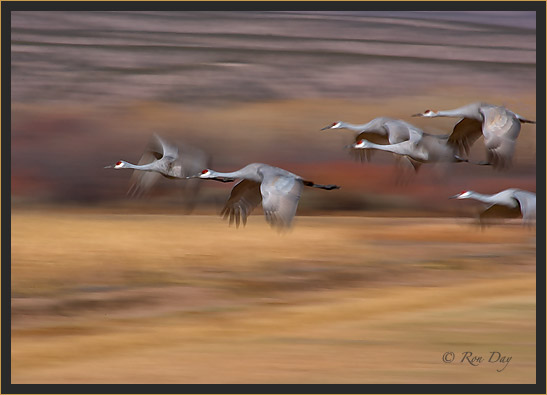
(277, 189)
(499, 126)
(509, 203)
(164, 158)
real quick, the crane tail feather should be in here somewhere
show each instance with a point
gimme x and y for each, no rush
(314, 185)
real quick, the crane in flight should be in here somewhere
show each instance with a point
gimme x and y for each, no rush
(279, 191)
(381, 130)
(509, 203)
(429, 149)
(164, 158)
(499, 126)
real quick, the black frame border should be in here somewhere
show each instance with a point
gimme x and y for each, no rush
(7, 6)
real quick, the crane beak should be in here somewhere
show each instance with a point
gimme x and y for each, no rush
(326, 127)
(454, 197)
(417, 115)
(109, 167)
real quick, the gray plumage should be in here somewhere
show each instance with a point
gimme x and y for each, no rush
(164, 158)
(279, 191)
(429, 149)
(381, 130)
(509, 203)
(499, 126)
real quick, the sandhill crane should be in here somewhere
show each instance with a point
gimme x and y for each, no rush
(429, 149)
(163, 158)
(381, 130)
(499, 126)
(278, 189)
(509, 203)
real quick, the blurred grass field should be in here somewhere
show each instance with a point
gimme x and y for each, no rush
(105, 297)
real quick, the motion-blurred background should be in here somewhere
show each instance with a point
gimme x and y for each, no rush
(108, 289)
(88, 89)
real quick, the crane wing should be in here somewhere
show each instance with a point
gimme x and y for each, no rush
(190, 161)
(183, 161)
(402, 161)
(497, 211)
(280, 196)
(399, 131)
(500, 129)
(527, 203)
(244, 198)
(160, 145)
(464, 134)
(142, 181)
(499, 151)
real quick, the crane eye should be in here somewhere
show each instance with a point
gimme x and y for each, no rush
(205, 171)
(119, 163)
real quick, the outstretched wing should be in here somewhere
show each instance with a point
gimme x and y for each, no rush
(497, 211)
(280, 196)
(244, 198)
(500, 130)
(464, 134)
(190, 161)
(399, 131)
(527, 203)
(404, 160)
(499, 152)
(169, 150)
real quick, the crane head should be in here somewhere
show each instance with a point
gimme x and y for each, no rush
(426, 113)
(462, 195)
(361, 144)
(212, 175)
(334, 125)
(205, 173)
(119, 165)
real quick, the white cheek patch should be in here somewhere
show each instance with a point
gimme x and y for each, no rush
(336, 125)
(118, 166)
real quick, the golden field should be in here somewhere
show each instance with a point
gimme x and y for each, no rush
(106, 297)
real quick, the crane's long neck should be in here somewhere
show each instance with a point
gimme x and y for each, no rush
(233, 174)
(483, 198)
(146, 167)
(469, 111)
(354, 127)
(244, 173)
(397, 148)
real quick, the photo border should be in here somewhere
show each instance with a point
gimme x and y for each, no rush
(6, 387)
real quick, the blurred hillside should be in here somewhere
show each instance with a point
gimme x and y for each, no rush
(88, 89)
